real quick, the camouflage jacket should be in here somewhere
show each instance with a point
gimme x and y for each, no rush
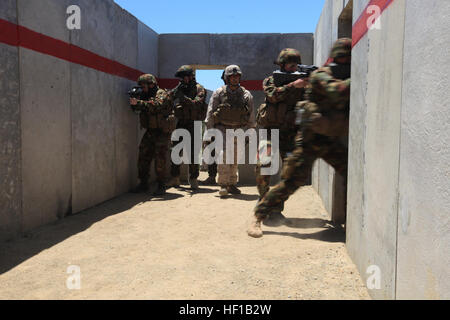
(328, 92)
(286, 94)
(327, 105)
(192, 106)
(157, 104)
(278, 111)
(157, 112)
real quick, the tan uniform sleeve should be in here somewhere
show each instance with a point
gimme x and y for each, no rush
(212, 107)
(251, 109)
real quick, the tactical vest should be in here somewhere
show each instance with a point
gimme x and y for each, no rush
(233, 108)
(188, 112)
(164, 120)
(279, 115)
(336, 111)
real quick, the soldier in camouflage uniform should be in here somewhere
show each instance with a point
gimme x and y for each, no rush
(156, 115)
(230, 107)
(324, 120)
(190, 106)
(278, 112)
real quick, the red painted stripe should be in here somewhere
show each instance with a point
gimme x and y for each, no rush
(252, 85)
(16, 35)
(360, 28)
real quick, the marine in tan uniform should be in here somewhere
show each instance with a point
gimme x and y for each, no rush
(230, 107)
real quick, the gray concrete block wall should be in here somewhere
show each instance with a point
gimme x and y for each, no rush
(381, 154)
(10, 136)
(323, 175)
(125, 122)
(45, 119)
(423, 257)
(398, 182)
(356, 193)
(78, 145)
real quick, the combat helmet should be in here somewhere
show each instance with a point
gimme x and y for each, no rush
(184, 71)
(289, 55)
(342, 48)
(231, 70)
(147, 78)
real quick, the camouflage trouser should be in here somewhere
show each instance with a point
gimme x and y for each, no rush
(297, 168)
(154, 146)
(228, 172)
(212, 168)
(194, 169)
(286, 145)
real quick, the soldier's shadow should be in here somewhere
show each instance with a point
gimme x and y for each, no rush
(200, 190)
(305, 223)
(167, 196)
(330, 234)
(246, 197)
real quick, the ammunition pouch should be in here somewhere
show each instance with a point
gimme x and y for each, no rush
(329, 123)
(231, 116)
(276, 115)
(191, 112)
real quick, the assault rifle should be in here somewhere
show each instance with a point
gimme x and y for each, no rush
(282, 78)
(178, 91)
(136, 93)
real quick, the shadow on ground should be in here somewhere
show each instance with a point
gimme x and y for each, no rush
(18, 250)
(331, 234)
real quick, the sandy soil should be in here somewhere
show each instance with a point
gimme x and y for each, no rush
(185, 246)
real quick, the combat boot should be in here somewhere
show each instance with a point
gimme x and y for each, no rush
(194, 184)
(211, 181)
(161, 190)
(223, 192)
(174, 182)
(275, 219)
(233, 190)
(254, 229)
(142, 187)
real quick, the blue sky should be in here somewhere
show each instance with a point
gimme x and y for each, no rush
(230, 16)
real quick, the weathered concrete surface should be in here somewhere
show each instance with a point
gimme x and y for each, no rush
(97, 25)
(125, 121)
(356, 193)
(147, 49)
(424, 204)
(93, 138)
(10, 137)
(372, 240)
(324, 177)
(93, 127)
(45, 119)
(179, 49)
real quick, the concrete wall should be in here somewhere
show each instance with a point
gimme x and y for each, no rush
(423, 257)
(372, 222)
(10, 137)
(328, 184)
(398, 180)
(70, 140)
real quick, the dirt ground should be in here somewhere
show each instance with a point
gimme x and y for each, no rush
(185, 246)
